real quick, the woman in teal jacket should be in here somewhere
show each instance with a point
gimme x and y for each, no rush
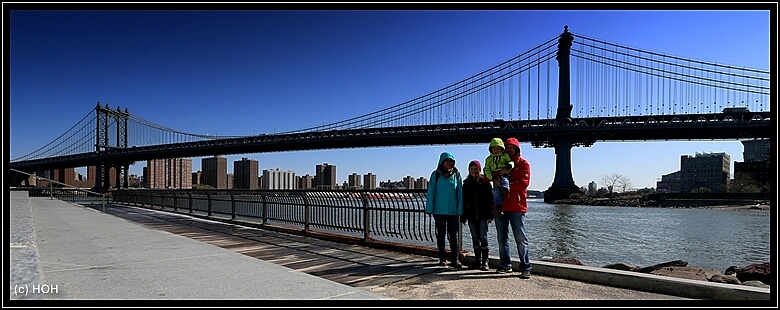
(445, 202)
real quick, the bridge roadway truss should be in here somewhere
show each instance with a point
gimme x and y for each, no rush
(539, 133)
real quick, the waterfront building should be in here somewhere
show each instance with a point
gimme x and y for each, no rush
(215, 172)
(756, 169)
(756, 150)
(196, 177)
(705, 171)
(65, 176)
(279, 179)
(230, 180)
(592, 188)
(354, 181)
(245, 174)
(305, 182)
(325, 176)
(168, 173)
(422, 183)
(369, 181)
(409, 182)
(670, 183)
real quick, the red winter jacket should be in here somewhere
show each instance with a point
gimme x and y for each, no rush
(519, 178)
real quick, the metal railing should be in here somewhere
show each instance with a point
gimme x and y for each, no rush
(62, 191)
(384, 215)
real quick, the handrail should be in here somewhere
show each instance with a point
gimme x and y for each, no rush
(64, 187)
(377, 215)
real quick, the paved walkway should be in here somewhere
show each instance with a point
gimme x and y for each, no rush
(134, 253)
(87, 254)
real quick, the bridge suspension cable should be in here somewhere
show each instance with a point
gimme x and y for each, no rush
(80, 137)
(639, 82)
(441, 106)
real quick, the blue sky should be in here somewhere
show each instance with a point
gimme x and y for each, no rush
(248, 72)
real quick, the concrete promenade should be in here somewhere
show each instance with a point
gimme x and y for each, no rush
(64, 252)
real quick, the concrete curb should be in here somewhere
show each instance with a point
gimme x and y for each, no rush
(641, 281)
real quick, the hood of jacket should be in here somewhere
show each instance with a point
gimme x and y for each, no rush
(514, 142)
(496, 142)
(446, 155)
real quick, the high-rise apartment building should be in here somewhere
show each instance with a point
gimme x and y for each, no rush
(245, 173)
(325, 177)
(409, 182)
(196, 177)
(592, 188)
(168, 173)
(421, 183)
(215, 172)
(305, 182)
(705, 171)
(353, 181)
(279, 179)
(369, 181)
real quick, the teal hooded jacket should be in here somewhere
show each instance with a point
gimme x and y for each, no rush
(445, 194)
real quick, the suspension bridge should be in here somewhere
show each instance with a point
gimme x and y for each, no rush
(569, 91)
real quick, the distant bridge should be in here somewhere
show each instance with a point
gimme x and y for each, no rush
(619, 94)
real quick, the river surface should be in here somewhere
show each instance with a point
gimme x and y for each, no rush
(602, 235)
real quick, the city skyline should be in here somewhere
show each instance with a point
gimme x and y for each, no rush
(253, 72)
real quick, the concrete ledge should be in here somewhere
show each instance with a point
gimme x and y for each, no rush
(643, 282)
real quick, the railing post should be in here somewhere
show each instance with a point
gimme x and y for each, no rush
(189, 201)
(208, 209)
(366, 217)
(232, 206)
(264, 210)
(306, 211)
(51, 190)
(175, 199)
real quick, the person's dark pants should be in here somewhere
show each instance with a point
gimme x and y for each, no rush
(447, 225)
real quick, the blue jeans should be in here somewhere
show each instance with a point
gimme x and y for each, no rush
(498, 196)
(479, 230)
(447, 225)
(517, 221)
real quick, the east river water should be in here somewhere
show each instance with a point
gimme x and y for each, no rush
(602, 235)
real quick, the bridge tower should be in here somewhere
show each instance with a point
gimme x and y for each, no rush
(563, 184)
(105, 116)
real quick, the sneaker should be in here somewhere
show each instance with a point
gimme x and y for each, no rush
(484, 267)
(442, 262)
(456, 265)
(504, 269)
(525, 274)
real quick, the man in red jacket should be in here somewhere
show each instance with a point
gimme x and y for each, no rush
(515, 207)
